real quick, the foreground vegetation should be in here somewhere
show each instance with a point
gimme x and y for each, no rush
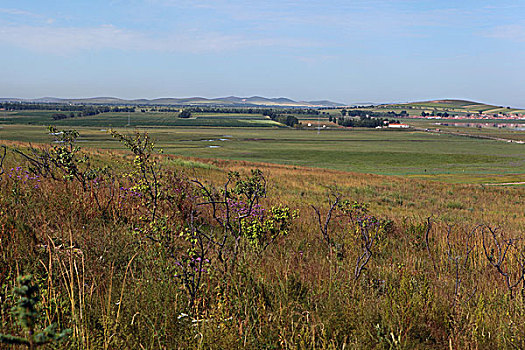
(140, 250)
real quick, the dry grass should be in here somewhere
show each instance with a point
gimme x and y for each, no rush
(116, 288)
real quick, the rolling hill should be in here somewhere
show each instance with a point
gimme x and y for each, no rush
(190, 101)
(453, 106)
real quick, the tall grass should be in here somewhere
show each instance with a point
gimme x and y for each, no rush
(112, 273)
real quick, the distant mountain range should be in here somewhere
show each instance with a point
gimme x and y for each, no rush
(190, 101)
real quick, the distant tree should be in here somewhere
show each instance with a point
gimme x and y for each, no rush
(59, 116)
(185, 114)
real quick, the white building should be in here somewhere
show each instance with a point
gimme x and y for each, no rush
(398, 126)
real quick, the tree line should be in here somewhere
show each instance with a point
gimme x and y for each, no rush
(84, 109)
(251, 110)
(368, 113)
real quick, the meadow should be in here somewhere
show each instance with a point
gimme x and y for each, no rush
(139, 119)
(273, 238)
(388, 152)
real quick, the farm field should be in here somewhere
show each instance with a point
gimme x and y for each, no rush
(139, 119)
(388, 152)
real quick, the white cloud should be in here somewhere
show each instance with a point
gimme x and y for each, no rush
(65, 40)
(53, 39)
(17, 12)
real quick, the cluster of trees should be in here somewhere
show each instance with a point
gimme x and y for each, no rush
(225, 110)
(362, 122)
(288, 120)
(365, 121)
(302, 111)
(433, 114)
(163, 109)
(285, 119)
(186, 113)
(59, 116)
(401, 114)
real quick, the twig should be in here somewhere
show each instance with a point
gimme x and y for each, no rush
(2, 160)
(498, 261)
(324, 227)
(427, 242)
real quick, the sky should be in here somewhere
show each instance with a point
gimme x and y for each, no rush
(352, 51)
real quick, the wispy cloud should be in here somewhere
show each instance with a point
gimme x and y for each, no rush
(25, 15)
(70, 39)
(17, 12)
(514, 32)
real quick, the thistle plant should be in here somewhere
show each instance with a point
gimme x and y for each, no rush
(26, 315)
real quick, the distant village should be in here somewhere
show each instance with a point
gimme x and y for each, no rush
(513, 116)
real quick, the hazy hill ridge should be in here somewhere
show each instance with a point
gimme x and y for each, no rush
(221, 101)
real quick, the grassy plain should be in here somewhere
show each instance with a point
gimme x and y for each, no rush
(388, 152)
(138, 119)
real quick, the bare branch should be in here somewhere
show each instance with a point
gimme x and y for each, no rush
(324, 227)
(2, 160)
(427, 243)
(499, 261)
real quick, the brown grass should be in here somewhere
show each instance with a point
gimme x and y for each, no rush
(116, 288)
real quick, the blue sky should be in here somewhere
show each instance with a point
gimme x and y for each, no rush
(346, 51)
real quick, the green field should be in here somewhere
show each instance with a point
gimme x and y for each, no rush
(389, 152)
(138, 119)
(447, 155)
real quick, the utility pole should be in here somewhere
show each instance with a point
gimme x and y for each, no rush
(129, 118)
